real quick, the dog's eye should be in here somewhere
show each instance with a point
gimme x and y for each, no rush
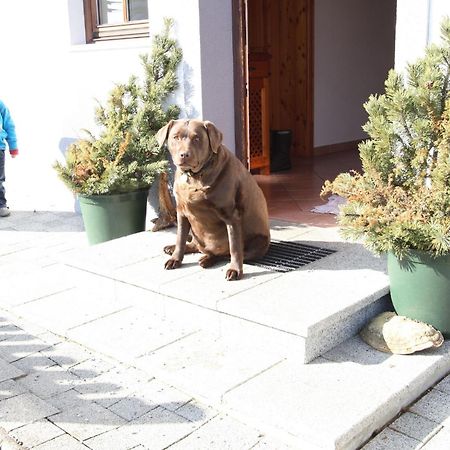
(196, 139)
(176, 137)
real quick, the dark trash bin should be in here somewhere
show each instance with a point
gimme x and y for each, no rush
(280, 150)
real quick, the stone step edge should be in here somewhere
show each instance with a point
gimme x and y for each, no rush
(361, 432)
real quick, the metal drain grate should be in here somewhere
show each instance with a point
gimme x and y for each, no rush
(284, 256)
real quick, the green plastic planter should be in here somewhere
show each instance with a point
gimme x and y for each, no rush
(420, 288)
(109, 217)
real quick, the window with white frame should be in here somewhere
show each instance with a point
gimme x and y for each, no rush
(115, 19)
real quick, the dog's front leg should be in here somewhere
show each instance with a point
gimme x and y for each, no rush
(183, 228)
(236, 267)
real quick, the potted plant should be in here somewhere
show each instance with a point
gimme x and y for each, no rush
(400, 204)
(112, 173)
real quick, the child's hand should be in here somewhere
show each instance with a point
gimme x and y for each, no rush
(14, 152)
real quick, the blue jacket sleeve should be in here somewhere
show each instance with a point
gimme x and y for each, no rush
(8, 126)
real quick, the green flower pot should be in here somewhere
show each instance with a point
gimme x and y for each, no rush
(109, 217)
(420, 288)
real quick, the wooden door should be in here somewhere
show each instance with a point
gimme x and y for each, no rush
(258, 113)
(283, 30)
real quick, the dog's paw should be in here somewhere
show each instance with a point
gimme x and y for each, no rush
(169, 249)
(233, 274)
(208, 261)
(172, 264)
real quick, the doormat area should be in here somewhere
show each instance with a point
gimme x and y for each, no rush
(285, 256)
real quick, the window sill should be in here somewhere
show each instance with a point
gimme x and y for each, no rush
(113, 44)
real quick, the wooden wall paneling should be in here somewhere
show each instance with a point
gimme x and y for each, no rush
(309, 109)
(273, 24)
(300, 76)
(258, 31)
(284, 91)
(304, 71)
(288, 46)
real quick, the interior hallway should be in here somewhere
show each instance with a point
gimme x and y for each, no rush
(291, 194)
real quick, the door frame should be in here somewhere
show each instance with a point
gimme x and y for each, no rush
(240, 73)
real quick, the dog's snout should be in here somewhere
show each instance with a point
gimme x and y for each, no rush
(184, 155)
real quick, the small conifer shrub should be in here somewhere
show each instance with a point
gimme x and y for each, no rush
(401, 201)
(125, 156)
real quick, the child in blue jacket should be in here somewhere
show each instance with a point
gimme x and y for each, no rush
(7, 136)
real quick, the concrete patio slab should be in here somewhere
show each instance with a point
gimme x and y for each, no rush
(360, 393)
(125, 336)
(94, 298)
(208, 365)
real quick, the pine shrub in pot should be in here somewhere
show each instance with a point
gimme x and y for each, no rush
(124, 159)
(400, 204)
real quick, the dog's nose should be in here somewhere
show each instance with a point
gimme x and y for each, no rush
(184, 155)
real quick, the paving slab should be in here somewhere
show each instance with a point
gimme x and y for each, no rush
(24, 409)
(434, 406)
(211, 362)
(8, 330)
(37, 433)
(108, 257)
(20, 346)
(132, 332)
(209, 286)
(96, 298)
(65, 442)
(118, 439)
(39, 283)
(389, 439)
(221, 432)
(8, 371)
(67, 354)
(361, 393)
(33, 362)
(114, 385)
(92, 367)
(51, 381)
(86, 421)
(444, 385)
(416, 427)
(161, 428)
(67, 400)
(10, 388)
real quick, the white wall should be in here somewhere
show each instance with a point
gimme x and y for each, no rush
(204, 30)
(50, 79)
(418, 24)
(216, 37)
(354, 49)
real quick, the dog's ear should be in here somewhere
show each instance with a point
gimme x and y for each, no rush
(162, 134)
(215, 136)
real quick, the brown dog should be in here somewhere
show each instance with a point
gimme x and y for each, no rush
(217, 199)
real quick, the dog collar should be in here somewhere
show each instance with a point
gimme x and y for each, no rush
(190, 174)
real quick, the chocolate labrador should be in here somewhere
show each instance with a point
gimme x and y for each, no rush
(218, 200)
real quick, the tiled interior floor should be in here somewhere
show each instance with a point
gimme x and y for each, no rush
(291, 194)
